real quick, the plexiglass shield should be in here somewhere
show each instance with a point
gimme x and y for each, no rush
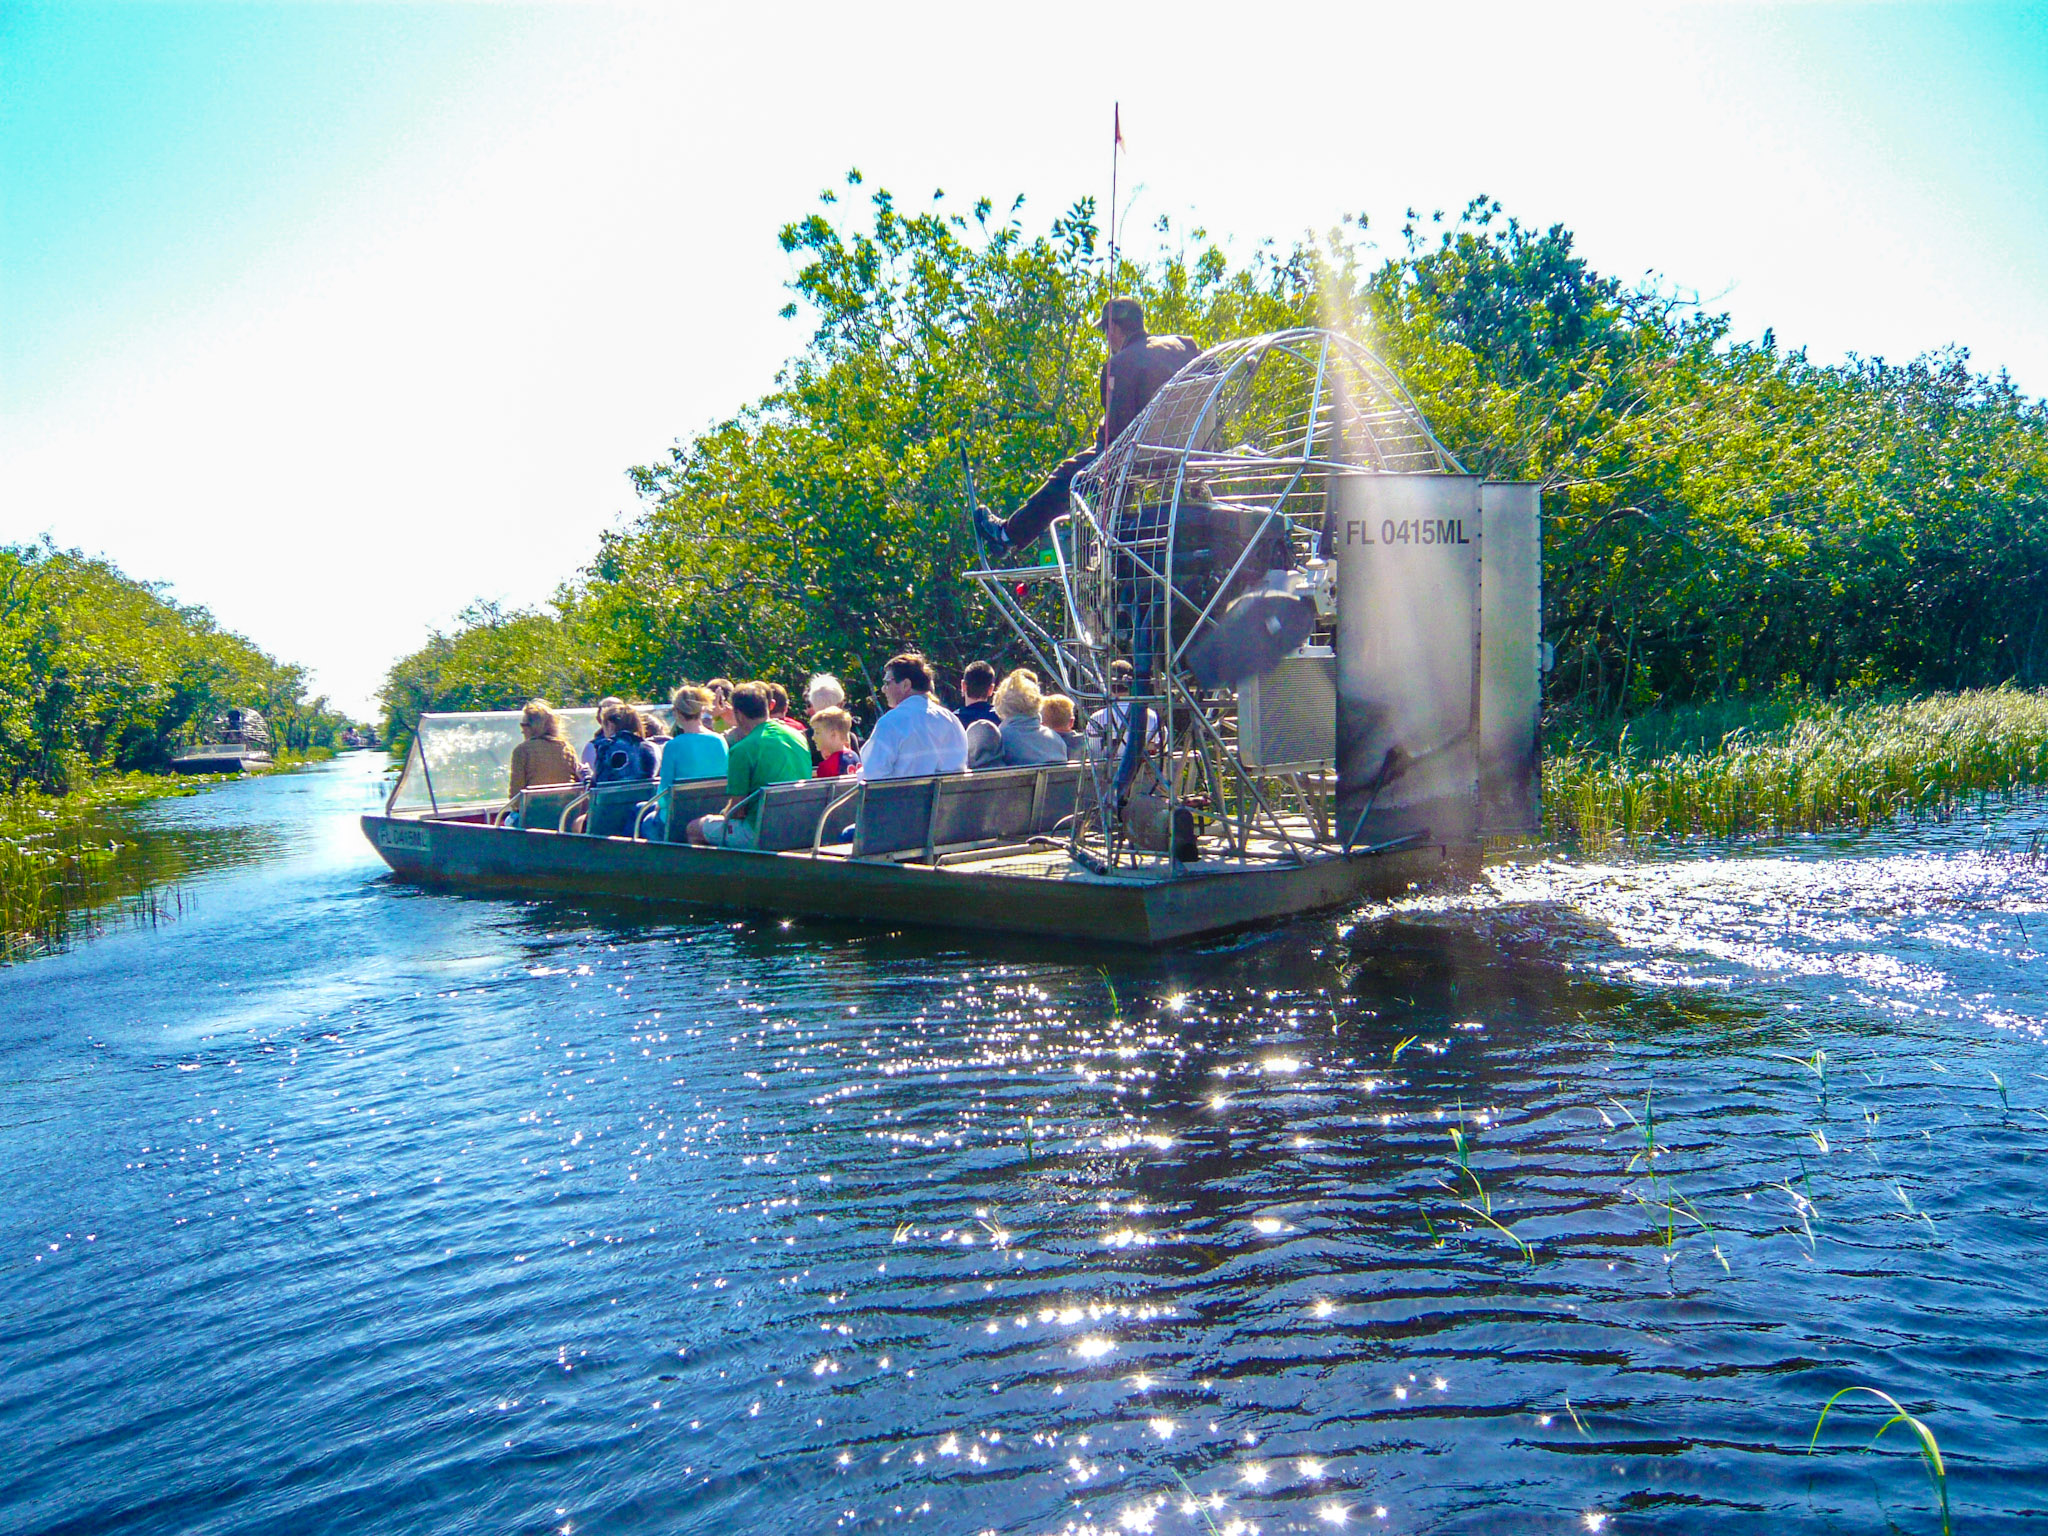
(461, 760)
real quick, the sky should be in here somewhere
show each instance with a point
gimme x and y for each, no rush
(338, 318)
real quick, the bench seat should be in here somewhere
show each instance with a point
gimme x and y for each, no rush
(927, 818)
(615, 808)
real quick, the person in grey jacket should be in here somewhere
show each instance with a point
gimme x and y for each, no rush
(1020, 741)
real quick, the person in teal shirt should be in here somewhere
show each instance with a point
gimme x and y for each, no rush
(694, 753)
(761, 754)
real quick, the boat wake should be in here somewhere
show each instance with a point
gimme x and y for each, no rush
(1955, 932)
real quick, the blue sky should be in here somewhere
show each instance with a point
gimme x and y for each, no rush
(150, 152)
(338, 317)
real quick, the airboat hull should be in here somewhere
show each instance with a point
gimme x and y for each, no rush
(1036, 894)
(228, 759)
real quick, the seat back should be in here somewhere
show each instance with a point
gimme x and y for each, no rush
(1059, 795)
(895, 815)
(614, 807)
(985, 807)
(689, 800)
(789, 813)
(540, 810)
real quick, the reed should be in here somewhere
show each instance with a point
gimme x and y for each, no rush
(1802, 767)
(1116, 1006)
(58, 861)
(1930, 1448)
(1480, 1204)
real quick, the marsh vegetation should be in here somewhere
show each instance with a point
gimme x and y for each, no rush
(67, 864)
(1792, 766)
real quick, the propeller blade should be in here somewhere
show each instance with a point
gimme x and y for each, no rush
(1251, 637)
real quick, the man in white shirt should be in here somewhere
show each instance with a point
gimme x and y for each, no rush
(914, 737)
(1108, 726)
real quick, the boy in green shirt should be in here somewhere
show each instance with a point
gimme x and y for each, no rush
(760, 755)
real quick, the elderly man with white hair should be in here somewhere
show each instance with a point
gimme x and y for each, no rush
(824, 691)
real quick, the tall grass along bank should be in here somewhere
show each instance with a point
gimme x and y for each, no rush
(62, 862)
(1803, 768)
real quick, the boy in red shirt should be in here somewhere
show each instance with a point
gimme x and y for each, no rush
(833, 729)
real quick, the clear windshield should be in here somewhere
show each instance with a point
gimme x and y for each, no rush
(459, 760)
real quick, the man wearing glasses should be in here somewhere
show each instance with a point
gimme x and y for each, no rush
(915, 736)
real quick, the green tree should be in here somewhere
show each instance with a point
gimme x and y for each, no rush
(101, 672)
(1724, 517)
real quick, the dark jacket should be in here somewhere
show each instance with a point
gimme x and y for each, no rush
(1133, 375)
(623, 759)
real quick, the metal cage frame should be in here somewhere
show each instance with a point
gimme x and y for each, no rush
(1233, 460)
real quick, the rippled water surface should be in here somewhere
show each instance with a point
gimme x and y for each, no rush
(341, 1206)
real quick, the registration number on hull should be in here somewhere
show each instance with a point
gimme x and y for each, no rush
(403, 834)
(1408, 530)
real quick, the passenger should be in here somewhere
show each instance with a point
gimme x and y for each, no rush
(764, 754)
(1056, 714)
(1021, 741)
(694, 753)
(542, 757)
(977, 682)
(605, 706)
(824, 691)
(622, 757)
(1107, 725)
(778, 709)
(833, 727)
(1139, 365)
(914, 737)
(655, 736)
(721, 707)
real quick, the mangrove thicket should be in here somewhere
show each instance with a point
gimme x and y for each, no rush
(101, 673)
(1725, 517)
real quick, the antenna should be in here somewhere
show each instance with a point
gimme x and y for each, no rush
(1116, 145)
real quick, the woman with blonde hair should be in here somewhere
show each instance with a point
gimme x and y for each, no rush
(1020, 741)
(696, 751)
(541, 757)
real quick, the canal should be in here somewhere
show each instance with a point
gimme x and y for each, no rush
(1561, 1205)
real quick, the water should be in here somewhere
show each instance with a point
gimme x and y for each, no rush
(339, 1206)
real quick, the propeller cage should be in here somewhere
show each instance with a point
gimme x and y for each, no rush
(1269, 464)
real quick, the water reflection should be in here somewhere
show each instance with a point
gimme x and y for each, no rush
(116, 865)
(626, 1225)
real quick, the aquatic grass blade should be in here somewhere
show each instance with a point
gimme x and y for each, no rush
(1930, 1448)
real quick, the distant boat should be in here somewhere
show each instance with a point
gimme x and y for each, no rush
(236, 741)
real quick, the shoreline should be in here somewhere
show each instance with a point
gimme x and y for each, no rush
(59, 865)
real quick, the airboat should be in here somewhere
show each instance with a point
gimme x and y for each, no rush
(234, 741)
(1330, 687)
